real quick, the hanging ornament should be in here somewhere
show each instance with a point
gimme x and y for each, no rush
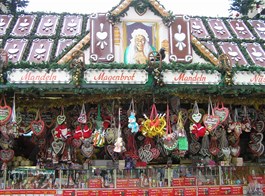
(38, 125)
(210, 120)
(119, 144)
(5, 111)
(170, 141)
(132, 123)
(99, 133)
(222, 112)
(155, 125)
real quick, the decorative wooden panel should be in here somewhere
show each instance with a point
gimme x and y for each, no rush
(40, 50)
(4, 23)
(47, 25)
(72, 25)
(234, 53)
(15, 49)
(259, 27)
(23, 25)
(180, 49)
(240, 29)
(101, 31)
(198, 29)
(256, 53)
(219, 29)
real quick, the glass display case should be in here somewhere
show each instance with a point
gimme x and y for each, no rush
(203, 180)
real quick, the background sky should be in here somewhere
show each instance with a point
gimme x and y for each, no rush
(214, 8)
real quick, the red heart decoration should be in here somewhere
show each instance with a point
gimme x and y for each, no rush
(214, 150)
(211, 121)
(6, 155)
(5, 114)
(37, 127)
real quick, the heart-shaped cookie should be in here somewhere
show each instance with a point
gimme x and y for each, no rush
(222, 112)
(5, 114)
(58, 146)
(196, 117)
(6, 155)
(194, 147)
(211, 122)
(256, 137)
(37, 127)
(61, 119)
(76, 143)
(87, 151)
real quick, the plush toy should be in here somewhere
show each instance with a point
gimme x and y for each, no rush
(198, 130)
(132, 124)
(119, 145)
(82, 132)
(62, 132)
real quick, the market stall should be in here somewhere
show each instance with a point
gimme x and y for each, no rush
(135, 101)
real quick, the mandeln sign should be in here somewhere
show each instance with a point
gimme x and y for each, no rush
(35, 76)
(191, 77)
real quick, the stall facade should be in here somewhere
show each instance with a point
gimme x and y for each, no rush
(134, 101)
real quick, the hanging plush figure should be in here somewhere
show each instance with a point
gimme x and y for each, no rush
(132, 124)
(62, 132)
(119, 147)
(198, 130)
(82, 132)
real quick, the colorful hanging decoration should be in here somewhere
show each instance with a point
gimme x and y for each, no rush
(99, 132)
(61, 131)
(196, 127)
(38, 125)
(119, 143)
(210, 120)
(155, 125)
(170, 139)
(183, 144)
(132, 122)
(222, 112)
(83, 130)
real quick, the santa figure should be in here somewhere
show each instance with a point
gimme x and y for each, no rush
(82, 132)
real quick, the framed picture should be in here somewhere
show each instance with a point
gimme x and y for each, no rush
(140, 38)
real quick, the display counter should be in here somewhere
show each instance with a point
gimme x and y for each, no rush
(154, 180)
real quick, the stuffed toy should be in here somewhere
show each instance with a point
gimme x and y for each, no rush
(132, 124)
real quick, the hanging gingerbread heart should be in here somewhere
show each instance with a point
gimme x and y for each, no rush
(76, 143)
(37, 126)
(145, 154)
(5, 112)
(58, 146)
(87, 151)
(210, 122)
(61, 119)
(110, 150)
(235, 151)
(256, 137)
(6, 155)
(82, 117)
(222, 112)
(194, 147)
(110, 135)
(195, 115)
